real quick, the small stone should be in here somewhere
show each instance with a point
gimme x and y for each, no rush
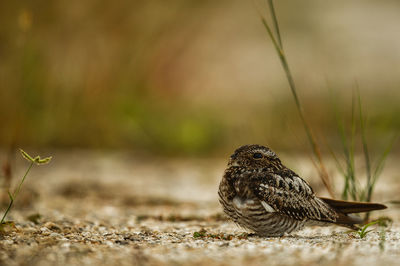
(30, 230)
(86, 234)
(55, 235)
(45, 231)
(8, 242)
(52, 226)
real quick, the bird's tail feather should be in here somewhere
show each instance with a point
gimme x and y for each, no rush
(345, 209)
(353, 206)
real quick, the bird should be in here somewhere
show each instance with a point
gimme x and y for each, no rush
(262, 195)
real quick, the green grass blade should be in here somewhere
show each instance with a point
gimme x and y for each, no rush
(26, 155)
(275, 21)
(380, 165)
(22, 181)
(352, 173)
(278, 47)
(274, 41)
(348, 173)
(363, 197)
(363, 231)
(10, 196)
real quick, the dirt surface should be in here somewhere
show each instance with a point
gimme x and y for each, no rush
(115, 209)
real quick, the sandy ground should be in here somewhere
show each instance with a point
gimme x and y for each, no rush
(115, 209)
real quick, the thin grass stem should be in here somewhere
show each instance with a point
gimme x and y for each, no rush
(6, 212)
(352, 172)
(279, 48)
(365, 149)
(275, 22)
(12, 197)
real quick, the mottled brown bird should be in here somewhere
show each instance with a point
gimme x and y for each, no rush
(259, 193)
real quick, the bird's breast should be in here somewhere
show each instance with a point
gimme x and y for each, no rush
(241, 203)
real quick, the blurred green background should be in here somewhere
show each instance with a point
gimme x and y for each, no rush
(185, 77)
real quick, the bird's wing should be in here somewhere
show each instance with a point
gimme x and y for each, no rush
(285, 192)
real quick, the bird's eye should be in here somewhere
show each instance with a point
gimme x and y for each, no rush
(257, 155)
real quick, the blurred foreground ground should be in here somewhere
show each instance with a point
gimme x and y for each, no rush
(120, 209)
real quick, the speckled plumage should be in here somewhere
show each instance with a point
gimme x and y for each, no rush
(259, 193)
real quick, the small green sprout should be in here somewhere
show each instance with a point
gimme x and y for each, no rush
(38, 161)
(200, 234)
(219, 236)
(363, 231)
(382, 223)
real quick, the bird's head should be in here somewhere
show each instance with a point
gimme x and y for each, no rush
(254, 156)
